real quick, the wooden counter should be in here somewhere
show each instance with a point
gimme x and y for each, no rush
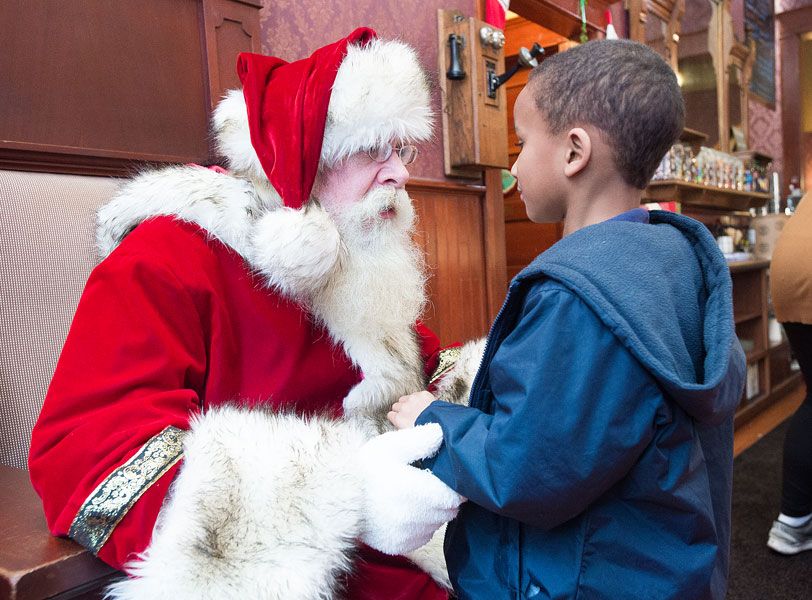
(33, 563)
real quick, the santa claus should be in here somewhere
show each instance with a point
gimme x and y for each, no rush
(216, 425)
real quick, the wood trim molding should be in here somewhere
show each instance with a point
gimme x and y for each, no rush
(452, 187)
(795, 22)
(495, 251)
(792, 24)
(217, 14)
(668, 12)
(42, 158)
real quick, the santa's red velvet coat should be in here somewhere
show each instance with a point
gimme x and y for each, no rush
(173, 323)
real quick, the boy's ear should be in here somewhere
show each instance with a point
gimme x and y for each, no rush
(579, 151)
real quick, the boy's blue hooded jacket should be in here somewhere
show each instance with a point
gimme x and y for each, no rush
(598, 461)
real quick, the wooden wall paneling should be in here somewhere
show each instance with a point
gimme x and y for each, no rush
(451, 230)
(94, 87)
(514, 87)
(527, 241)
(519, 32)
(230, 27)
(524, 239)
(119, 80)
(793, 24)
(495, 250)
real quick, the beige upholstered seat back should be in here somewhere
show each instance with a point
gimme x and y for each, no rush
(47, 250)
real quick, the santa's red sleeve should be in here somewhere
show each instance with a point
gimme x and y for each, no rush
(109, 437)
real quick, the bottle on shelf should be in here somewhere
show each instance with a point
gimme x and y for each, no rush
(795, 195)
(775, 204)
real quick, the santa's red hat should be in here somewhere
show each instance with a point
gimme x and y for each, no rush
(351, 95)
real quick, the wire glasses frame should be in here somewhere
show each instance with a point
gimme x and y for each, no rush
(407, 153)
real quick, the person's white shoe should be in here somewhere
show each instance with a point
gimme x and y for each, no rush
(786, 539)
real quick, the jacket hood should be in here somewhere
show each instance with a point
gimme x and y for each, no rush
(665, 291)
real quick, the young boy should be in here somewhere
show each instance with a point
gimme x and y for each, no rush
(596, 453)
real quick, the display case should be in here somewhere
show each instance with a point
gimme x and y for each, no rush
(770, 372)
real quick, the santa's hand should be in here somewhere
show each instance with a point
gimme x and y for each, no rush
(404, 505)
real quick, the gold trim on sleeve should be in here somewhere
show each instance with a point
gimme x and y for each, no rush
(448, 358)
(113, 497)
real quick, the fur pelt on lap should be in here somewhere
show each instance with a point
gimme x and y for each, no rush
(265, 506)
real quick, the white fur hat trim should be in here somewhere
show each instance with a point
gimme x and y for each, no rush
(380, 94)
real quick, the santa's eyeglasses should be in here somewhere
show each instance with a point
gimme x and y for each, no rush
(407, 153)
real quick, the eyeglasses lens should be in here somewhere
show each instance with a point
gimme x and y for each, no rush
(381, 154)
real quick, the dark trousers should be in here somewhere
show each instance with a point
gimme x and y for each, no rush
(796, 493)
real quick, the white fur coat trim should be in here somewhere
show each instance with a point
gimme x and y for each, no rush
(455, 385)
(294, 250)
(220, 204)
(265, 506)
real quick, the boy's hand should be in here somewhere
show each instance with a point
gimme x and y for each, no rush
(406, 410)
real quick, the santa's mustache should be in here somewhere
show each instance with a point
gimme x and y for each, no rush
(385, 204)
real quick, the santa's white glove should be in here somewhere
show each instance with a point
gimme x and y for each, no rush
(403, 505)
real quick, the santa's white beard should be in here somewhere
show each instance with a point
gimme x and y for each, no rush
(372, 299)
(379, 283)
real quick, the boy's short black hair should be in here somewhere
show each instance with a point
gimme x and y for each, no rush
(623, 88)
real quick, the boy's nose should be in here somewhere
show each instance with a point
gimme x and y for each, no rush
(513, 169)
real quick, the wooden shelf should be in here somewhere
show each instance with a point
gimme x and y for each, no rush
(747, 265)
(693, 136)
(783, 344)
(775, 379)
(755, 355)
(787, 384)
(766, 399)
(753, 155)
(752, 408)
(701, 195)
(748, 317)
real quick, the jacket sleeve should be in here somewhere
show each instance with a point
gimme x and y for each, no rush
(109, 438)
(571, 411)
